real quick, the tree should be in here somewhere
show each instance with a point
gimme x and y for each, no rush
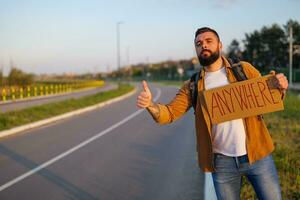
(266, 48)
(234, 50)
(274, 47)
(18, 77)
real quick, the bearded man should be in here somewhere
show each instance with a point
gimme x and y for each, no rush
(230, 149)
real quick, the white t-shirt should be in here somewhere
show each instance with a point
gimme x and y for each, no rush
(228, 138)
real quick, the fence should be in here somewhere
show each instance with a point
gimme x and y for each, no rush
(21, 92)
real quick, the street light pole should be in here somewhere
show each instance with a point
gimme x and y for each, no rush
(118, 45)
(290, 54)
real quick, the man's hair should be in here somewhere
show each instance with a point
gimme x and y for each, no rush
(206, 29)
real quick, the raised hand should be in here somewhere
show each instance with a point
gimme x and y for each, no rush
(144, 99)
(281, 81)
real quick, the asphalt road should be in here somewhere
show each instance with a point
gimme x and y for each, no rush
(117, 152)
(25, 103)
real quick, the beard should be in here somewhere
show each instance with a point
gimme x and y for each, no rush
(208, 60)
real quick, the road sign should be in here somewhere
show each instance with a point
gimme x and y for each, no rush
(296, 49)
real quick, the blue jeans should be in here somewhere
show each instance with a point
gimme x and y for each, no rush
(262, 175)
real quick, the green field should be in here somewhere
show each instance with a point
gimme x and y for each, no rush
(16, 118)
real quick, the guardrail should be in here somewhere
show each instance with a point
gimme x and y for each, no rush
(29, 91)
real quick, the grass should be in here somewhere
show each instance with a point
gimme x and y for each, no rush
(284, 127)
(16, 118)
(173, 83)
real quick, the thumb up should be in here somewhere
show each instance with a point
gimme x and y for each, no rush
(144, 99)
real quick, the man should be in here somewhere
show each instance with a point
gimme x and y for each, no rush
(229, 149)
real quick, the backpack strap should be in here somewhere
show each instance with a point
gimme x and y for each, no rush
(194, 88)
(239, 74)
(237, 69)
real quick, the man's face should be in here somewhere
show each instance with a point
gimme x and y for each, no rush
(208, 48)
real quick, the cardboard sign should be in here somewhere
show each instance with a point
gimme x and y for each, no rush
(243, 99)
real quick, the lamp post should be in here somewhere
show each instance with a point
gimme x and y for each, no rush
(291, 40)
(118, 45)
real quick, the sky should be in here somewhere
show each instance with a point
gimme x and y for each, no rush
(80, 36)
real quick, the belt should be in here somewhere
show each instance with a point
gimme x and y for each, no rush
(239, 159)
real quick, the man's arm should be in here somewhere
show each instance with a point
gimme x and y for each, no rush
(153, 109)
(164, 114)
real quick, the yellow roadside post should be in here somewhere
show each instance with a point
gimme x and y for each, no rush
(46, 90)
(28, 91)
(12, 90)
(35, 91)
(21, 92)
(3, 94)
(41, 90)
(51, 89)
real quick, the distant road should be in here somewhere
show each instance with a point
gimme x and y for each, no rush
(17, 105)
(114, 153)
(295, 86)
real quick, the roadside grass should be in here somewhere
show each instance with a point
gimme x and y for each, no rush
(168, 83)
(16, 118)
(284, 127)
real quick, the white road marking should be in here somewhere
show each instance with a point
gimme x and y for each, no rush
(68, 152)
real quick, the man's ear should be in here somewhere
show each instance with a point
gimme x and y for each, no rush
(220, 46)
